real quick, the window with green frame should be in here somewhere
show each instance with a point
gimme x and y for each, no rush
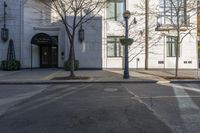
(171, 46)
(114, 48)
(115, 9)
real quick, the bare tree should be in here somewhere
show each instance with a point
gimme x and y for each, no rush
(72, 14)
(176, 17)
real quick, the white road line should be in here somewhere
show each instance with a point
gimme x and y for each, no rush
(184, 103)
(162, 97)
(6, 103)
(191, 88)
(51, 99)
(130, 92)
(189, 111)
(139, 99)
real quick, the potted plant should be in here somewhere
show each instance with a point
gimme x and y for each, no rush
(10, 65)
(125, 41)
(67, 65)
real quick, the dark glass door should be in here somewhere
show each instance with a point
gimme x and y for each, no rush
(54, 56)
(48, 57)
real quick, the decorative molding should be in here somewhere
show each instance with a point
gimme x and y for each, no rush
(47, 28)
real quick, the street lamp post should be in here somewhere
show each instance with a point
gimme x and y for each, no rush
(126, 16)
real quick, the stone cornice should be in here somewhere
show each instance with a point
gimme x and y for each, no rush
(47, 28)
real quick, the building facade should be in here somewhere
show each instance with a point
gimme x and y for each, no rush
(41, 42)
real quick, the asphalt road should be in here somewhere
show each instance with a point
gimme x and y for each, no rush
(104, 108)
(178, 105)
(11, 95)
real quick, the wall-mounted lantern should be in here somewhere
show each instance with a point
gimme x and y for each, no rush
(4, 34)
(81, 34)
(4, 30)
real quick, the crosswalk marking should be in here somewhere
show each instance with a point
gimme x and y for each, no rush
(191, 88)
(184, 103)
(189, 110)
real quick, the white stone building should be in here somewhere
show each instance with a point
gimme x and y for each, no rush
(27, 21)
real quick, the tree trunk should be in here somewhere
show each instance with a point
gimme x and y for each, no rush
(177, 44)
(72, 59)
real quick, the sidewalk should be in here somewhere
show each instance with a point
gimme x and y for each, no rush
(107, 75)
(46, 75)
(169, 73)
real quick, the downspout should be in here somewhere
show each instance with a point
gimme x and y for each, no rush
(21, 30)
(146, 34)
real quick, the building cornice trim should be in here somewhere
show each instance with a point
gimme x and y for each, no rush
(47, 28)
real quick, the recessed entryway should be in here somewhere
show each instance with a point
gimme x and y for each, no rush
(48, 47)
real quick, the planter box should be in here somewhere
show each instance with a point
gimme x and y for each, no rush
(10, 65)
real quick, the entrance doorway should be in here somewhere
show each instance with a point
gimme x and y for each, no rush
(48, 56)
(48, 46)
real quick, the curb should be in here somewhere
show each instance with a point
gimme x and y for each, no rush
(71, 82)
(94, 81)
(185, 81)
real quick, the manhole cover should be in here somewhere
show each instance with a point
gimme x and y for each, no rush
(110, 89)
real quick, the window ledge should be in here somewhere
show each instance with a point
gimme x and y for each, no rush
(114, 21)
(169, 27)
(115, 57)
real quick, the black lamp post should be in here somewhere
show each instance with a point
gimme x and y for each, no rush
(126, 16)
(4, 30)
